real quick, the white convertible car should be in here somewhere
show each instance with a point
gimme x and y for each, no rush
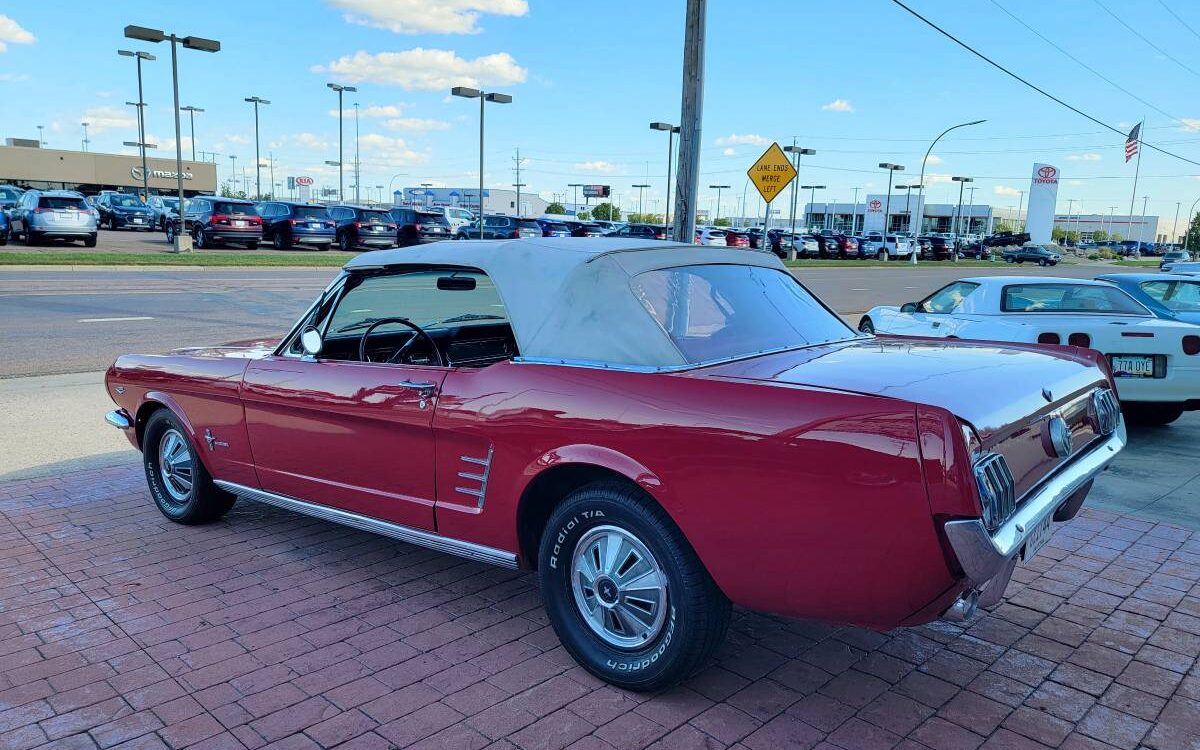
(1156, 363)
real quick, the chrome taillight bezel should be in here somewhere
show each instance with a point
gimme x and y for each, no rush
(997, 489)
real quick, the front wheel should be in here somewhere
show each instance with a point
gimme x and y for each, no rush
(625, 592)
(866, 326)
(199, 241)
(181, 486)
(1042, 263)
(170, 234)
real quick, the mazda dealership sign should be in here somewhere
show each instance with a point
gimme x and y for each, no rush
(136, 173)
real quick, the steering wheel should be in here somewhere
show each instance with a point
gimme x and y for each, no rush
(419, 333)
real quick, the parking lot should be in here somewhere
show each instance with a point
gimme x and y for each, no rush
(270, 629)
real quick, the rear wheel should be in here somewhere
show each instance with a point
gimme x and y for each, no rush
(1043, 263)
(90, 241)
(1152, 414)
(181, 486)
(625, 592)
(252, 245)
(866, 326)
(279, 242)
(31, 239)
(198, 238)
(170, 234)
(344, 243)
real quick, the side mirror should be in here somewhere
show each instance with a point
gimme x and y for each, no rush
(310, 340)
(908, 307)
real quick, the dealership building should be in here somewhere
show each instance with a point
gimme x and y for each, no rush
(495, 201)
(29, 166)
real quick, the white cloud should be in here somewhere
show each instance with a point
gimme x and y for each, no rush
(12, 33)
(391, 152)
(838, 105)
(13, 77)
(934, 159)
(415, 123)
(426, 69)
(100, 119)
(729, 152)
(936, 178)
(1005, 190)
(241, 140)
(307, 141)
(750, 139)
(603, 167)
(1084, 157)
(375, 110)
(1191, 123)
(427, 16)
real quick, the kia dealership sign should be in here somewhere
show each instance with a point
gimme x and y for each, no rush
(303, 181)
(1043, 195)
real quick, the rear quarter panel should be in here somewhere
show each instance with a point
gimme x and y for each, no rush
(203, 392)
(799, 501)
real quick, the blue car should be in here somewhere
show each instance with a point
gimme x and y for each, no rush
(3, 227)
(1168, 295)
(287, 224)
(552, 228)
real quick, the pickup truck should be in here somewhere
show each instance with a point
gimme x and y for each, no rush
(1006, 239)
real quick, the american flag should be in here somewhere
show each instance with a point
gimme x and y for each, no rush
(1131, 142)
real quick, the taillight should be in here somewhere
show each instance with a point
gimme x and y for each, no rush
(392, 227)
(220, 219)
(418, 226)
(291, 222)
(1049, 338)
(1191, 345)
(42, 210)
(516, 235)
(1080, 339)
(358, 225)
(329, 225)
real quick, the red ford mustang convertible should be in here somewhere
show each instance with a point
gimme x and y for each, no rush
(659, 430)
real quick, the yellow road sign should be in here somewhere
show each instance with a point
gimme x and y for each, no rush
(772, 173)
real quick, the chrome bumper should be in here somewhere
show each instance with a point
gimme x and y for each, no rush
(983, 555)
(117, 418)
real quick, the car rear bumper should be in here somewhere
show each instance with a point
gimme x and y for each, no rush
(234, 235)
(1181, 384)
(63, 231)
(983, 555)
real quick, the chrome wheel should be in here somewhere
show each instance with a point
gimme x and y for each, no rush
(175, 468)
(620, 589)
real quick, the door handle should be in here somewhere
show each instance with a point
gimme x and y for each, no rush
(424, 389)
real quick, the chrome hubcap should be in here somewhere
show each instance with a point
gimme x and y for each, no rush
(175, 467)
(620, 589)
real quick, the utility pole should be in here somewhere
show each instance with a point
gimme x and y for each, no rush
(518, 184)
(85, 138)
(1020, 206)
(854, 213)
(357, 173)
(1175, 224)
(257, 100)
(641, 188)
(796, 153)
(688, 176)
(717, 212)
(192, 121)
(1142, 231)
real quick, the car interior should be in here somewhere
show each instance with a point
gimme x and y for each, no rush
(448, 317)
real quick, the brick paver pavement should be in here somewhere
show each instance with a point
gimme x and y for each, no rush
(120, 629)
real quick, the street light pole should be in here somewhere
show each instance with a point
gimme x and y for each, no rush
(812, 201)
(85, 138)
(232, 171)
(189, 42)
(796, 153)
(1142, 230)
(1175, 224)
(484, 97)
(357, 164)
(921, 190)
(641, 189)
(1020, 206)
(340, 89)
(576, 185)
(717, 213)
(671, 131)
(257, 100)
(192, 121)
(892, 169)
(854, 213)
(141, 104)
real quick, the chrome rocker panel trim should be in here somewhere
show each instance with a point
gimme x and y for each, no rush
(117, 418)
(468, 550)
(983, 555)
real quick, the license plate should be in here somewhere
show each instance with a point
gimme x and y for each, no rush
(1038, 537)
(139, 220)
(314, 225)
(239, 223)
(1132, 366)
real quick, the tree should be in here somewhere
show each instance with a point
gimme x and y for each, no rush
(228, 192)
(556, 208)
(1058, 234)
(583, 216)
(1117, 236)
(721, 222)
(1099, 235)
(606, 212)
(1192, 238)
(1002, 226)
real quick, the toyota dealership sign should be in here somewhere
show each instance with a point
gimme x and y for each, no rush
(1043, 195)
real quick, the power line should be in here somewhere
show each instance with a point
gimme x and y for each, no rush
(1087, 67)
(1177, 18)
(1036, 88)
(1149, 43)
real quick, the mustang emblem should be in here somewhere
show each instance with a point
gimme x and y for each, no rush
(212, 441)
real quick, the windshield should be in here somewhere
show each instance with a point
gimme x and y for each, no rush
(9, 194)
(556, 227)
(1176, 296)
(1069, 298)
(376, 217)
(431, 218)
(309, 212)
(715, 312)
(529, 224)
(60, 202)
(171, 203)
(125, 201)
(234, 209)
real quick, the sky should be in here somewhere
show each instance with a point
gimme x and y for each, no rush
(860, 82)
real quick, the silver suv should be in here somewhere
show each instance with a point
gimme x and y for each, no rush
(54, 214)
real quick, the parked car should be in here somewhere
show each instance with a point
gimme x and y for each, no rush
(551, 228)
(4, 230)
(415, 226)
(289, 223)
(165, 208)
(1168, 296)
(939, 248)
(843, 246)
(362, 227)
(53, 214)
(1131, 248)
(586, 229)
(710, 235)
(213, 221)
(588, 410)
(876, 247)
(9, 195)
(124, 211)
(737, 239)
(500, 228)
(455, 217)
(1156, 362)
(1174, 256)
(1182, 267)
(644, 231)
(1043, 255)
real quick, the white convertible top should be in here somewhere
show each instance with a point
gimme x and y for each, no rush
(569, 298)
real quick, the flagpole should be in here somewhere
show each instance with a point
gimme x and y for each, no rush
(1136, 170)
